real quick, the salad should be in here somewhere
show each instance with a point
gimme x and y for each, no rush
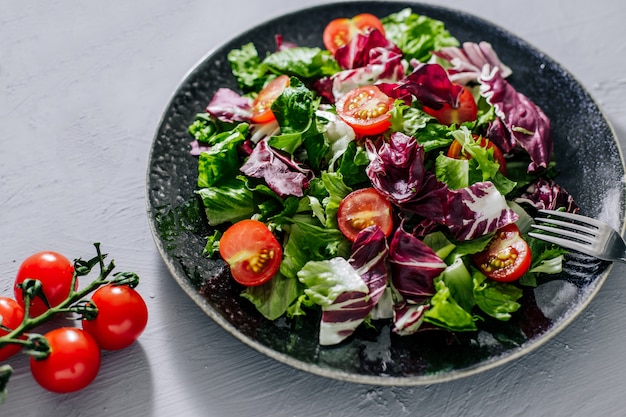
(391, 175)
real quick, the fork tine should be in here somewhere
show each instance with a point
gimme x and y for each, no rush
(566, 243)
(569, 225)
(575, 217)
(564, 232)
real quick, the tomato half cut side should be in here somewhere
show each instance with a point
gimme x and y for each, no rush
(366, 109)
(456, 151)
(252, 252)
(363, 208)
(262, 104)
(339, 32)
(508, 256)
(467, 111)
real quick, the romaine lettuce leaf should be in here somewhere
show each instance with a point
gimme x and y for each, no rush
(230, 202)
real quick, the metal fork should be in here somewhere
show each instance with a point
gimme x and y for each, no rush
(581, 234)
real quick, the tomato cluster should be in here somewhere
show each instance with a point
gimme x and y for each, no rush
(67, 359)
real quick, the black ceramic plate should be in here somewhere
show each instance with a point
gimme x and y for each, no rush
(587, 153)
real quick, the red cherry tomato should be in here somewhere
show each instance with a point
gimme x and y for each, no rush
(252, 252)
(11, 316)
(340, 31)
(54, 271)
(122, 317)
(366, 109)
(467, 110)
(456, 151)
(363, 208)
(73, 362)
(262, 105)
(507, 257)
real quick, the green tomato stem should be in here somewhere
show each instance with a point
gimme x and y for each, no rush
(64, 307)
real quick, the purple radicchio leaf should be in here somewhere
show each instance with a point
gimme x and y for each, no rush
(469, 61)
(525, 123)
(369, 258)
(281, 174)
(478, 210)
(281, 45)
(429, 84)
(396, 168)
(347, 312)
(380, 64)
(408, 318)
(358, 52)
(414, 266)
(228, 106)
(397, 171)
(547, 194)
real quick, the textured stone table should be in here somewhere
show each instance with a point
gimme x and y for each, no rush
(82, 87)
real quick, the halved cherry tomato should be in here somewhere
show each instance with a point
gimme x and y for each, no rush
(340, 31)
(467, 110)
(366, 109)
(11, 316)
(54, 271)
(252, 252)
(73, 362)
(456, 151)
(262, 104)
(122, 316)
(363, 208)
(507, 257)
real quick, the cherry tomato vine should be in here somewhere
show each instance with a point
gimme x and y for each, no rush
(38, 346)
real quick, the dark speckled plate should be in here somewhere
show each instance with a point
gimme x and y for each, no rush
(587, 153)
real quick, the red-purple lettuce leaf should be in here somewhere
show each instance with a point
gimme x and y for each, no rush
(358, 52)
(477, 210)
(523, 122)
(547, 194)
(347, 312)
(414, 266)
(229, 106)
(429, 84)
(282, 175)
(470, 60)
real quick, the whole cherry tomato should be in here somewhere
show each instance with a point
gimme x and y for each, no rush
(122, 316)
(73, 362)
(54, 271)
(11, 316)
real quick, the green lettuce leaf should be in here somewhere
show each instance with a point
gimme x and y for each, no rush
(274, 297)
(497, 299)
(309, 241)
(230, 202)
(446, 312)
(326, 280)
(246, 66)
(417, 36)
(294, 110)
(221, 161)
(303, 62)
